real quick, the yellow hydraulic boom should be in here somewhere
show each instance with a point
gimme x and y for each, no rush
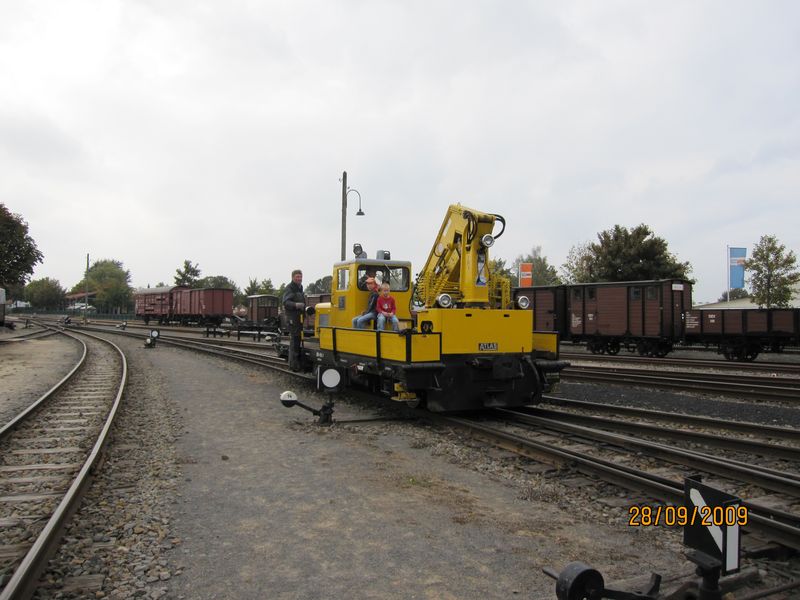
(457, 270)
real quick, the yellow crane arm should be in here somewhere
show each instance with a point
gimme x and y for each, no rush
(458, 263)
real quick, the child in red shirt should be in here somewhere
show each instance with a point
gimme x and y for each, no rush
(387, 309)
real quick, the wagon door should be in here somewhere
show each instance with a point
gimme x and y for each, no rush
(612, 310)
(636, 310)
(681, 303)
(577, 322)
(590, 309)
(653, 310)
(544, 310)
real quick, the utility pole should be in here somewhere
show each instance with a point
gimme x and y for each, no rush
(86, 289)
(344, 212)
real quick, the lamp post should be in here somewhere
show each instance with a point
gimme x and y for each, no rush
(360, 213)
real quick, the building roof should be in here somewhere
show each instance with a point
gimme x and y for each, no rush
(748, 302)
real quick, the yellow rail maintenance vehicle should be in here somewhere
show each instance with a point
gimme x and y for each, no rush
(462, 345)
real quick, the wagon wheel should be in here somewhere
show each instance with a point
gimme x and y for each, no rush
(613, 347)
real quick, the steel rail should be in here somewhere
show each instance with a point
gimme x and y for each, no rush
(726, 365)
(740, 445)
(724, 468)
(13, 423)
(761, 519)
(786, 433)
(23, 583)
(740, 380)
(33, 335)
(683, 381)
(207, 346)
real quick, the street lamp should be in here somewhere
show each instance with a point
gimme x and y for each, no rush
(360, 212)
(345, 191)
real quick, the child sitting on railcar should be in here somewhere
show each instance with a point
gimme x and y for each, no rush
(368, 315)
(387, 309)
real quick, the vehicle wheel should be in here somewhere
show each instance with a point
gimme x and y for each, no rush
(613, 348)
(641, 348)
(752, 352)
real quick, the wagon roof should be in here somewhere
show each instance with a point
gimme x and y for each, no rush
(157, 290)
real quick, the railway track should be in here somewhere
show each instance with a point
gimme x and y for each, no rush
(694, 363)
(49, 451)
(788, 434)
(769, 523)
(742, 386)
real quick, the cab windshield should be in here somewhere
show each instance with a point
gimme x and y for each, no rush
(397, 277)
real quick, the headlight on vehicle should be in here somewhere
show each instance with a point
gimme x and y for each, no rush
(487, 241)
(523, 302)
(445, 300)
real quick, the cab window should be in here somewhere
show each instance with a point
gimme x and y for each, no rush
(342, 279)
(636, 293)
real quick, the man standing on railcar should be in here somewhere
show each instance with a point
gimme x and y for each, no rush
(294, 303)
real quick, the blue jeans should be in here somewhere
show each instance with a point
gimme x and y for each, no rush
(361, 322)
(382, 322)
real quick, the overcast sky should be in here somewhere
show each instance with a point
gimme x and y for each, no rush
(152, 132)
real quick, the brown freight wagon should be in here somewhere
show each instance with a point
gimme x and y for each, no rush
(202, 306)
(741, 334)
(264, 309)
(641, 316)
(156, 303)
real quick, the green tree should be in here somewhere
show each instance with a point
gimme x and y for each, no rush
(110, 282)
(497, 267)
(578, 266)
(772, 273)
(255, 287)
(189, 275)
(18, 251)
(736, 294)
(543, 272)
(320, 286)
(623, 254)
(45, 293)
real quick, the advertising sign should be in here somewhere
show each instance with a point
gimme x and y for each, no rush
(525, 274)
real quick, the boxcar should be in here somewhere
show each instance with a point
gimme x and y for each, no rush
(642, 316)
(155, 303)
(741, 334)
(264, 309)
(183, 304)
(203, 306)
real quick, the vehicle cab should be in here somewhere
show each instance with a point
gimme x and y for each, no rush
(349, 293)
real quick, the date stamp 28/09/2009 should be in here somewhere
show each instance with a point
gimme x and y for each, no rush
(681, 516)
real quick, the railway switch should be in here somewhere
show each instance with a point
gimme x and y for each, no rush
(578, 581)
(325, 412)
